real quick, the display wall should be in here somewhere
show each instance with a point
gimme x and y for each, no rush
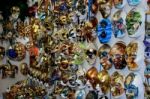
(139, 37)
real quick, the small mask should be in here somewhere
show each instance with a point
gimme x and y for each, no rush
(104, 31)
(72, 35)
(147, 50)
(92, 95)
(131, 55)
(2, 53)
(104, 80)
(119, 3)
(117, 53)
(118, 25)
(105, 10)
(133, 22)
(147, 91)
(63, 19)
(24, 68)
(117, 84)
(105, 60)
(147, 25)
(15, 12)
(133, 2)
(131, 89)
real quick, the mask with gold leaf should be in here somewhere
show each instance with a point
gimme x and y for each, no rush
(2, 53)
(15, 12)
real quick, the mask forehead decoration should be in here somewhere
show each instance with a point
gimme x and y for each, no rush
(105, 60)
(131, 55)
(117, 53)
(104, 80)
(117, 85)
(133, 2)
(118, 24)
(133, 22)
(131, 87)
(104, 30)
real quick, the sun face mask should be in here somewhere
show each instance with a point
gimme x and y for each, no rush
(104, 30)
(133, 22)
(131, 89)
(133, 2)
(117, 54)
(131, 55)
(117, 86)
(104, 80)
(118, 24)
(105, 60)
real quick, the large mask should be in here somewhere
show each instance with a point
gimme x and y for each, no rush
(131, 55)
(104, 30)
(118, 24)
(105, 59)
(15, 12)
(104, 80)
(131, 87)
(133, 22)
(117, 53)
(117, 84)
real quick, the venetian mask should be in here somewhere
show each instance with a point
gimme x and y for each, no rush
(117, 84)
(24, 68)
(16, 52)
(105, 59)
(15, 12)
(105, 10)
(134, 2)
(104, 30)
(119, 3)
(2, 53)
(104, 80)
(133, 22)
(131, 89)
(147, 51)
(72, 35)
(118, 24)
(92, 95)
(91, 54)
(92, 76)
(63, 19)
(131, 55)
(117, 54)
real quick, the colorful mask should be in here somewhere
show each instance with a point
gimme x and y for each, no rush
(117, 86)
(80, 94)
(16, 52)
(131, 55)
(104, 80)
(133, 22)
(104, 30)
(119, 3)
(105, 10)
(131, 89)
(118, 24)
(117, 53)
(147, 50)
(92, 76)
(134, 2)
(72, 35)
(2, 53)
(91, 54)
(63, 19)
(92, 95)
(147, 25)
(24, 68)
(105, 60)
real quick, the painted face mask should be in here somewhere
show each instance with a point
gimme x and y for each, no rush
(80, 94)
(119, 3)
(147, 50)
(24, 68)
(105, 60)
(117, 85)
(118, 24)
(72, 35)
(2, 53)
(104, 80)
(92, 76)
(131, 55)
(133, 2)
(131, 89)
(147, 71)
(117, 53)
(133, 22)
(15, 11)
(104, 30)
(16, 52)
(105, 10)
(91, 54)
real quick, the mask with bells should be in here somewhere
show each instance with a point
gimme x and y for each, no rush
(104, 80)
(131, 55)
(117, 54)
(104, 56)
(15, 12)
(117, 84)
